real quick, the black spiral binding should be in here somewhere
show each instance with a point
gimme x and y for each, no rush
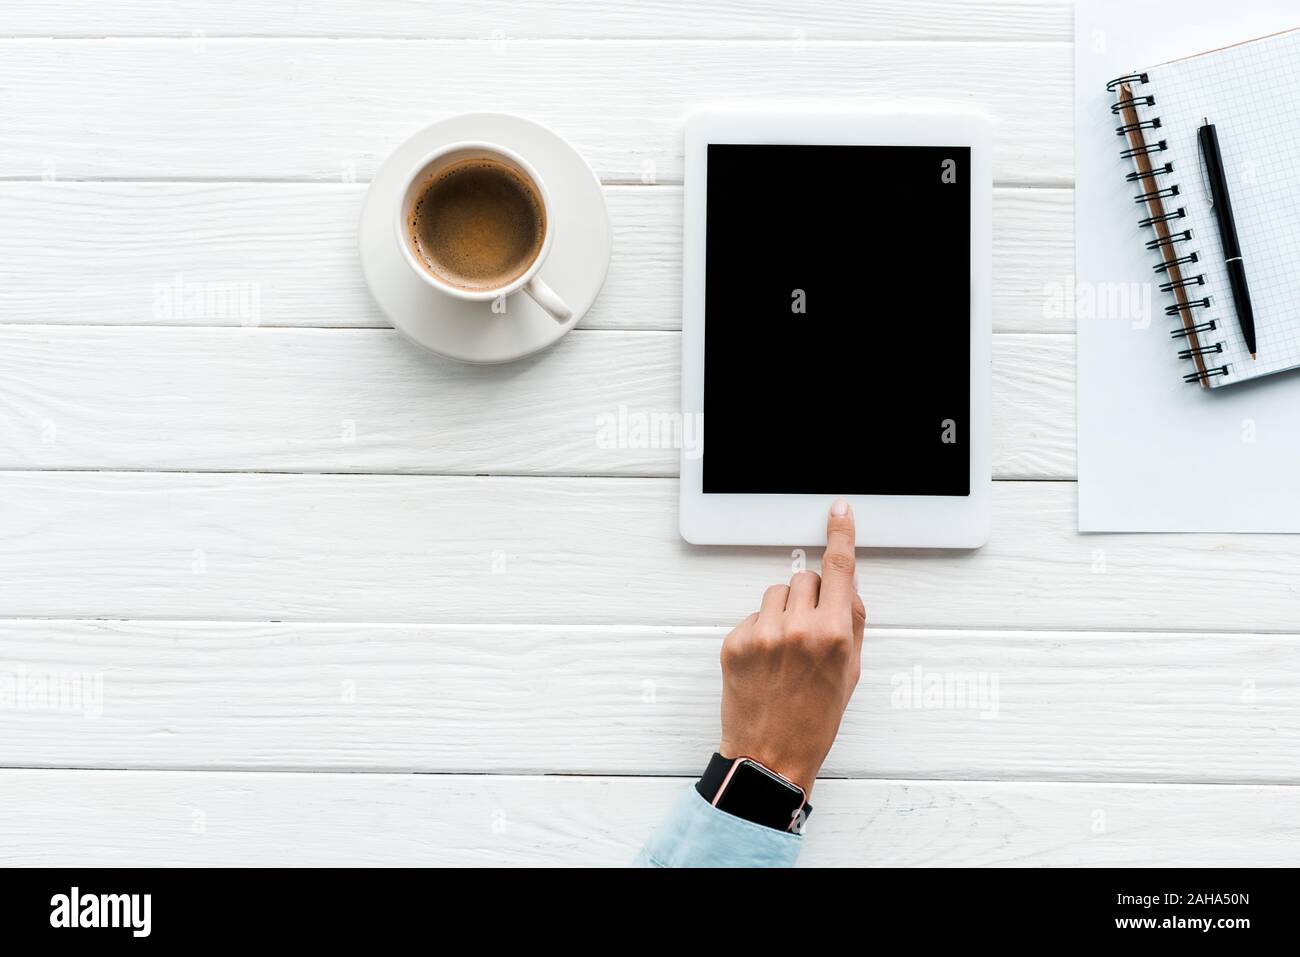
(1156, 185)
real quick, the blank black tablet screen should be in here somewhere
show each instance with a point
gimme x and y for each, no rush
(837, 320)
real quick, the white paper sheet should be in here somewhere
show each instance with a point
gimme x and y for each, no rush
(1155, 454)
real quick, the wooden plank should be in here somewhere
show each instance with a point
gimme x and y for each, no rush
(256, 547)
(124, 818)
(288, 251)
(649, 19)
(349, 400)
(179, 109)
(626, 700)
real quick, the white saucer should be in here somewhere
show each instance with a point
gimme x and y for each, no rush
(471, 331)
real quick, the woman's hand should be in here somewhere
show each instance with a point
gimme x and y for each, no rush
(789, 669)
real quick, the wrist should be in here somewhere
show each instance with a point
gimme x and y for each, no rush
(797, 769)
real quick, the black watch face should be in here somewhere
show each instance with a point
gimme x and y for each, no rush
(757, 795)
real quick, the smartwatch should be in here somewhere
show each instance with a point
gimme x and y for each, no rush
(749, 790)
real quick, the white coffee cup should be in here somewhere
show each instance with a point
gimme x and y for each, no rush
(418, 180)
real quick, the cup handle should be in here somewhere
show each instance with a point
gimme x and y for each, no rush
(548, 299)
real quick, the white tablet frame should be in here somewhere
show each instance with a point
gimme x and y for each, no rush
(893, 521)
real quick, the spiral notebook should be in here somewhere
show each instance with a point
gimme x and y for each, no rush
(1251, 93)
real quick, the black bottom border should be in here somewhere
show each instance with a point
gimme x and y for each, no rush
(365, 907)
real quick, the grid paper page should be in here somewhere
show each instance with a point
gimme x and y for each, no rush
(1251, 93)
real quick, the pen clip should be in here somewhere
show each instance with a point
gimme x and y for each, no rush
(1204, 164)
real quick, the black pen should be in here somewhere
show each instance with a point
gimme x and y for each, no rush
(1232, 260)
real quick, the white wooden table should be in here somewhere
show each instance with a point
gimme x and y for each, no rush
(350, 604)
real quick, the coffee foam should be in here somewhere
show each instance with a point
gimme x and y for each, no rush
(477, 224)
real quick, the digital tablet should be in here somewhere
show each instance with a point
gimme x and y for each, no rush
(836, 327)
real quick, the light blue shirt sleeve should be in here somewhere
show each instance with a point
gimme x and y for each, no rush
(696, 834)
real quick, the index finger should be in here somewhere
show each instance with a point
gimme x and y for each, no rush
(839, 562)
